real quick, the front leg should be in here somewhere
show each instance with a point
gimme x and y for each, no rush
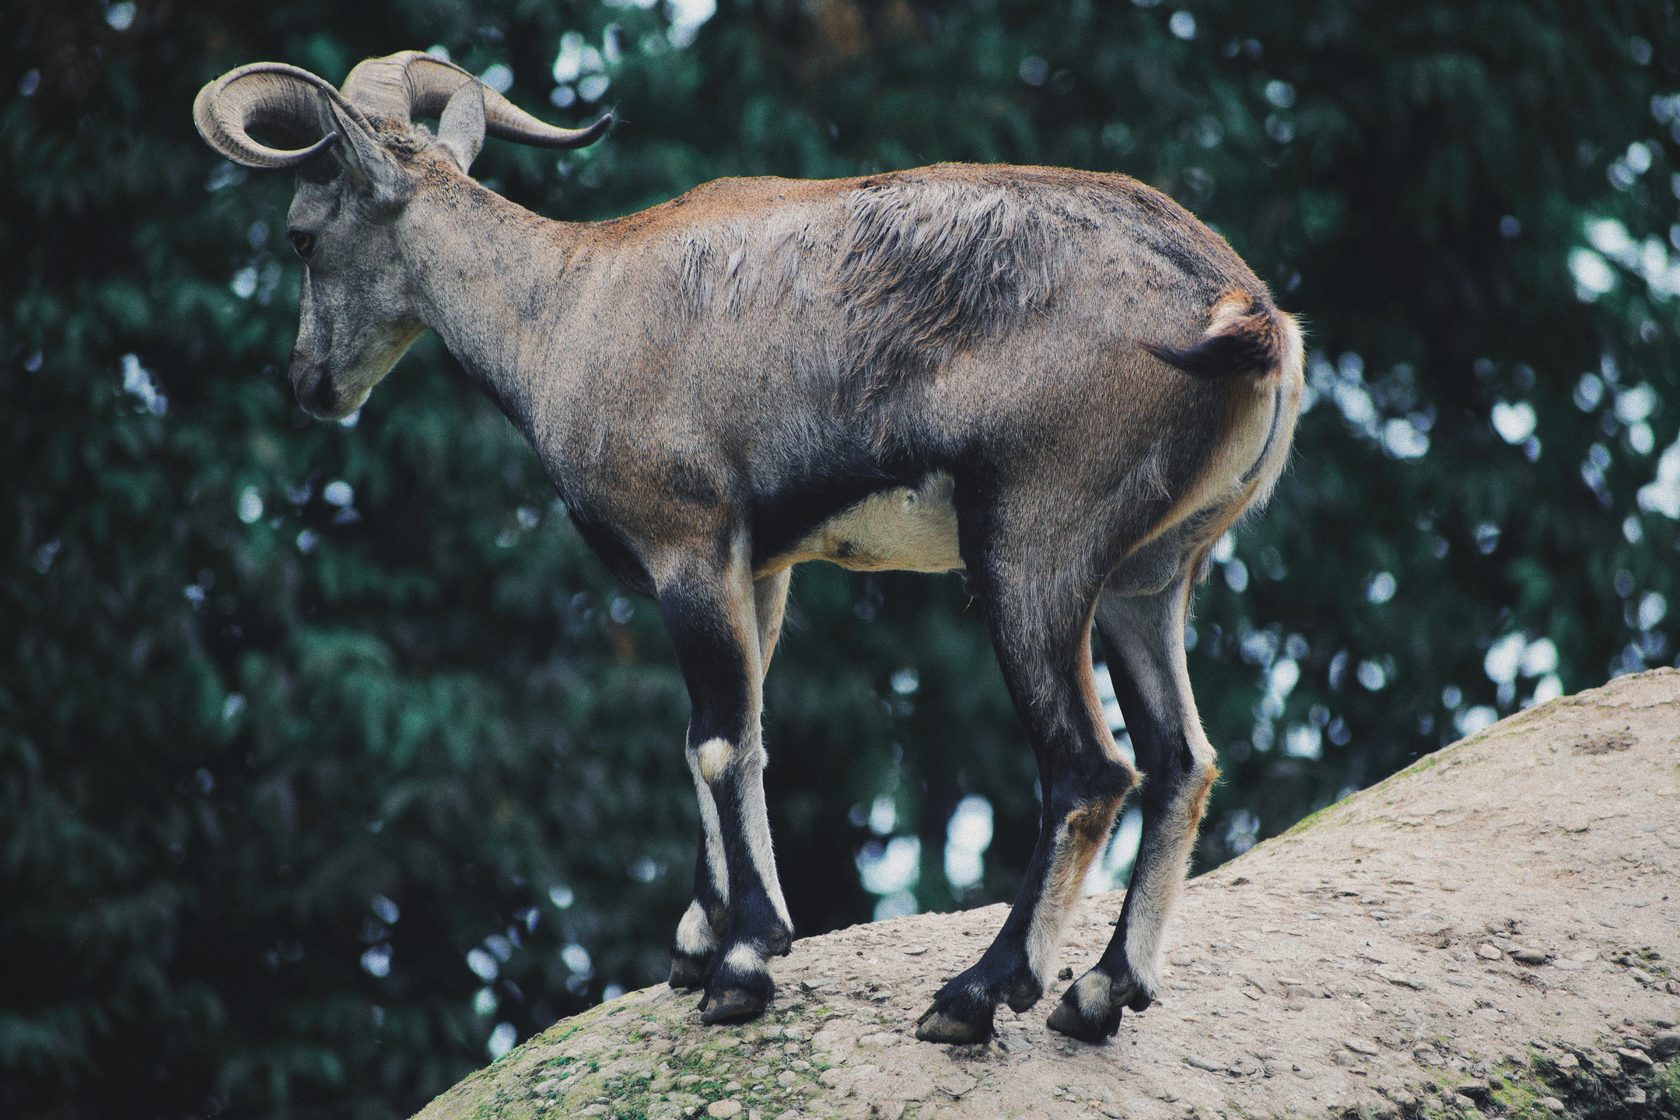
(709, 609)
(706, 920)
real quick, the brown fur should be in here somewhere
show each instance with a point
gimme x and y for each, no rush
(1199, 799)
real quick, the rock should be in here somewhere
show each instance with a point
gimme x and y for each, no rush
(1259, 983)
(1552, 1104)
(723, 1110)
(1633, 1059)
(1530, 956)
(1635, 1096)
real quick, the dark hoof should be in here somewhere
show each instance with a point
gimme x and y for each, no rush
(1024, 993)
(938, 1026)
(734, 995)
(1090, 1010)
(961, 1013)
(1069, 1019)
(687, 971)
(734, 1005)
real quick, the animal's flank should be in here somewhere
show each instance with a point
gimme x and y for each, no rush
(927, 266)
(1245, 335)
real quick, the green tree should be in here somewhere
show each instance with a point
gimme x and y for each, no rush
(328, 757)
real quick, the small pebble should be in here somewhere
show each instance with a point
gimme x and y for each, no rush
(1635, 1095)
(1488, 952)
(1552, 1103)
(959, 1083)
(723, 1110)
(1360, 1046)
(1666, 1043)
(1530, 956)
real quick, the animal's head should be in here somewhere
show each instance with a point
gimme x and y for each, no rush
(359, 161)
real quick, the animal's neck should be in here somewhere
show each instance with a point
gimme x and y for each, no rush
(492, 279)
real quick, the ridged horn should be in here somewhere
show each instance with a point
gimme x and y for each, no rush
(413, 83)
(272, 94)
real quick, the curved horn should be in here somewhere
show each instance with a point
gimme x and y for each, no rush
(413, 83)
(266, 93)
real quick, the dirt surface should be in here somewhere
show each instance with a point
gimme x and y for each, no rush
(1495, 931)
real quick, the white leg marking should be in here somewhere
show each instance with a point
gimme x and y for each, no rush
(1157, 883)
(1093, 992)
(714, 756)
(743, 958)
(1079, 837)
(716, 869)
(1044, 932)
(694, 932)
(755, 820)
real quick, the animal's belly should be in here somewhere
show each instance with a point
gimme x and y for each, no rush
(908, 528)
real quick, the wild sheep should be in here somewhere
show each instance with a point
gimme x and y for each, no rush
(1057, 381)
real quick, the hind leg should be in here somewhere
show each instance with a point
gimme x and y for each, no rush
(706, 920)
(1144, 640)
(1041, 628)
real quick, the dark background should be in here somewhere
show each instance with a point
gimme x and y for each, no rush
(331, 764)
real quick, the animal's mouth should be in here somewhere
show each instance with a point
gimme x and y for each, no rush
(318, 396)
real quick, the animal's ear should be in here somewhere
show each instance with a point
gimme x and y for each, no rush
(375, 172)
(461, 129)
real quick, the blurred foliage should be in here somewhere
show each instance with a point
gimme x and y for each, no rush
(327, 751)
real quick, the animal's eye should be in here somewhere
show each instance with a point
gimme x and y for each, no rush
(303, 242)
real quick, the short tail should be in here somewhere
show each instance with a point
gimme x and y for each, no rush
(1246, 336)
